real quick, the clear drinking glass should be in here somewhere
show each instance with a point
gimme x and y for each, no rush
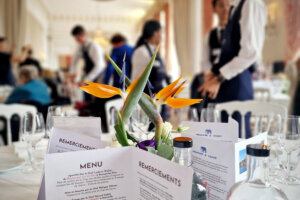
(289, 141)
(113, 120)
(193, 115)
(52, 111)
(140, 123)
(33, 130)
(203, 115)
(274, 132)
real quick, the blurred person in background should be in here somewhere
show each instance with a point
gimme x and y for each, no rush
(211, 50)
(31, 89)
(29, 60)
(120, 48)
(93, 57)
(230, 78)
(144, 49)
(293, 73)
(6, 59)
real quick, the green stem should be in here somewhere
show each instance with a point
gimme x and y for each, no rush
(158, 129)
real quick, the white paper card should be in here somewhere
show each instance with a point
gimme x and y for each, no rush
(90, 126)
(220, 131)
(217, 160)
(64, 141)
(73, 134)
(124, 173)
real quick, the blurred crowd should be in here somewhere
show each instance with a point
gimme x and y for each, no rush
(229, 63)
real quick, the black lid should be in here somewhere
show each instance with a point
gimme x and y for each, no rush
(183, 142)
(258, 150)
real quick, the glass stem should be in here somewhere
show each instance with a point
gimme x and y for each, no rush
(288, 165)
(29, 154)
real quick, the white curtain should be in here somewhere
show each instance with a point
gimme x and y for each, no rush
(188, 34)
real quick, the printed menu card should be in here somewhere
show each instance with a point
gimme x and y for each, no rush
(126, 173)
(220, 160)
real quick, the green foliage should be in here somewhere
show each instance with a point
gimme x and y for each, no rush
(165, 151)
(145, 101)
(121, 134)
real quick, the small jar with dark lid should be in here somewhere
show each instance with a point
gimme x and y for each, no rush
(183, 150)
(183, 156)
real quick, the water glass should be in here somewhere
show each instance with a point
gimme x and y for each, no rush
(53, 111)
(193, 115)
(289, 141)
(139, 123)
(33, 129)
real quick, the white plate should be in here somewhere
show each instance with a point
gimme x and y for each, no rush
(10, 162)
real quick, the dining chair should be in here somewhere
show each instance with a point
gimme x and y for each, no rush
(109, 106)
(256, 108)
(7, 111)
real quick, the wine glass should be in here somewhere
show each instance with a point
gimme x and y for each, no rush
(289, 141)
(274, 132)
(212, 113)
(140, 123)
(39, 129)
(33, 129)
(113, 120)
(193, 114)
(203, 116)
(52, 111)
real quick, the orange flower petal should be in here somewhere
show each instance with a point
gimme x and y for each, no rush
(180, 102)
(101, 90)
(178, 91)
(163, 93)
(131, 86)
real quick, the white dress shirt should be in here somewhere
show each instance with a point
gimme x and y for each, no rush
(96, 54)
(205, 60)
(252, 23)
(140, 60)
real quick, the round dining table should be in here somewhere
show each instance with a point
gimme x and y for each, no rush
(19, 184)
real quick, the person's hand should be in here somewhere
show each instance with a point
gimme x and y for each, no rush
(210, 87)
(70, 77)
(208, 76)
(81, 83)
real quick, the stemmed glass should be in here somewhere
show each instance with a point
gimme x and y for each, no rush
(52, 111)
(274, 131)
(139, 123)
(193, 115)
(289, 141)
(33, 129)
(203, 115)
(113, 120)
(210, 114)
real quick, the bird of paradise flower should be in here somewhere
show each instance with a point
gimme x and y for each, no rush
(134, 95)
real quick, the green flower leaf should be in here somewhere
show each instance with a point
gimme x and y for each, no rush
(137, 91)
(121, 134)
(145, 101)
(165, 151)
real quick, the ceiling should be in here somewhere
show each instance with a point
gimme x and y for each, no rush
(99, 8)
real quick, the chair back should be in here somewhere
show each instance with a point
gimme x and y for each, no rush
(109, 106)
(256, 108)
(7, 111)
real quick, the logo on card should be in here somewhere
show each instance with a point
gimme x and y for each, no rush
(203, 150)
(208, 132)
